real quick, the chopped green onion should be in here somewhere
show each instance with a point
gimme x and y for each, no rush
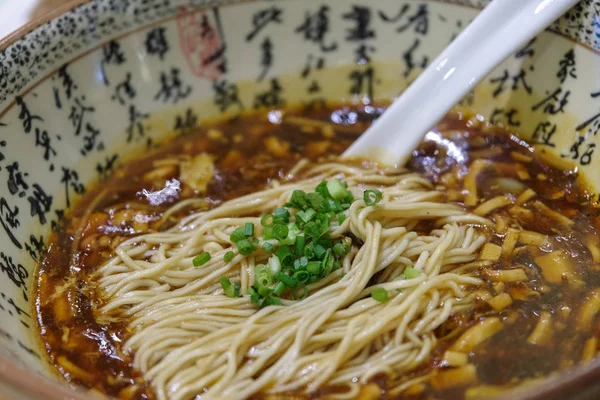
(372, 197)
(380, 294)
(264, 291)
(254, 297)
(285, 255)
(249, 229)
(300, 292)
(299, 246)
(327, 262)
(264, 277)
(280, 231)
(340, 250)
(316, 200)
(299, 199)
(411, 273)
(302, 276)
(288, 281)
(268, 233)
(279, 288)
(230, 289)
(336, 189)
(319, 251)
(309, 250)
(245, 247)
(341, 218)
(228, 256)
(274, 264)
(281, 214)
(268, 247)
(201, 259)
(272, 301)
(237, 235)
(293, 231)
(314, 267)
(267, 220)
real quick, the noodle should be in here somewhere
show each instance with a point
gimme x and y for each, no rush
(188, 338)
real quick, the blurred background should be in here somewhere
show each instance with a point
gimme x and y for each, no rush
(16, 13)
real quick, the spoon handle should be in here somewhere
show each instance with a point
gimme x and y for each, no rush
(498, 31)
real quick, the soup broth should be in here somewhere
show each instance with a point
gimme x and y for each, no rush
(534, 315)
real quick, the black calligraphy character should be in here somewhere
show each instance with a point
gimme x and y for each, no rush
(361, 16)
(362, 82)
(267, 57)
(362, 53)
(42, 139)
(315, 27)
(520, 77)
(262, 18)
(36, 247)
(71, 180)
(40, 203)
(567, 66)
(502, 80)
(112, 54)
(543, 133)
(29, 350)
(408, 57)
(270, 98)
(226, 95)
(15, 272)
(89, 140)
(109, 164)
(78, 112)
(58, 224)
(124, 90)
(67, 84)
(508, 115)
(25, 115)
(575, 152)
(319, 64)
(156, 42)
(553, 104)
(9, 221)
(526, 50)
(185, 123)
(135, 123)
(171, 87)
(16, 181)
(420, 21)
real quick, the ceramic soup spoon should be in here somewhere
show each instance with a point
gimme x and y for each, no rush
(498, 31)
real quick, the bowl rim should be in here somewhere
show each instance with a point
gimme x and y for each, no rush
(21, 379)
(42, 19)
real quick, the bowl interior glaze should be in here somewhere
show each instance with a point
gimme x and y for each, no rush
(83, 91)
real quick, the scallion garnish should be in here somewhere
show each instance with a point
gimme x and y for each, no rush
(372, 197)
(201, 259)
(249, 229)
(230, 289)
(304, 251)
(380, 294)
(411, 273)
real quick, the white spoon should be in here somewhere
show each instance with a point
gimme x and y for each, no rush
(498, 31)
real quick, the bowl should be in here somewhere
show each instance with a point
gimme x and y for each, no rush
(95, 81)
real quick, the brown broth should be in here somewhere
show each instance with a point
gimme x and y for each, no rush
(251, 150)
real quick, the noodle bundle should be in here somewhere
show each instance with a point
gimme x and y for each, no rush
(189, 339)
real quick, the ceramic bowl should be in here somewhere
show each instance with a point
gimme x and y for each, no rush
(87, 86)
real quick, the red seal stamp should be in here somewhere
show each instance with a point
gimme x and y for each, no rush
(201, 43)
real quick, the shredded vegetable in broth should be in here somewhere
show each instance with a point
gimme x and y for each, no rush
(246, 260)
